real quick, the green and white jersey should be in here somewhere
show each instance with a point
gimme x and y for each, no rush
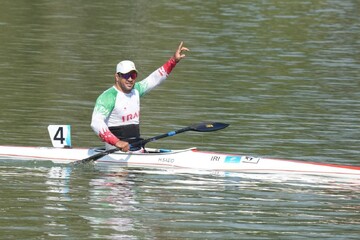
(115, 108)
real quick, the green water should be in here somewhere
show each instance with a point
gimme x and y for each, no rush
(283, 74)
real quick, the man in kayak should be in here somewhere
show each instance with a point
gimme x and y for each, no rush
(116, 114)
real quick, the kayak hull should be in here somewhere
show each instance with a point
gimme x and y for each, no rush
(187, 158)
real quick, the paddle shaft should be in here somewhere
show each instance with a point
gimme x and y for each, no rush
(201, 127)
(169, 134)
(139, 143)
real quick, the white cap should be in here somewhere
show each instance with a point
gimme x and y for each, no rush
(125, 67)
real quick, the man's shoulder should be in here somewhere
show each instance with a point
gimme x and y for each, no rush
(109, 93)
(110, 90)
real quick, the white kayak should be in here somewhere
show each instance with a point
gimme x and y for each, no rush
(185, 159)
(191, 158)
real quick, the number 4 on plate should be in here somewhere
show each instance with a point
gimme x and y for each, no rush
(60, 135)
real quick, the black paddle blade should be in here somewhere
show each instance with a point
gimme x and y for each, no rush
(208, 126)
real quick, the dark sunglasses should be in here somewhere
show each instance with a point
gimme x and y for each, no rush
(132, 75)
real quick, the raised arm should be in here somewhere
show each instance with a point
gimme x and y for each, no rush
(160, 74)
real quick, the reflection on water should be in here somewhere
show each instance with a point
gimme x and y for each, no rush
(98, 201)
(112, 193)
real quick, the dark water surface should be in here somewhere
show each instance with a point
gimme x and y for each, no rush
(284, 74)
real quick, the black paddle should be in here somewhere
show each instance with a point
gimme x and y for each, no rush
(200, 127)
